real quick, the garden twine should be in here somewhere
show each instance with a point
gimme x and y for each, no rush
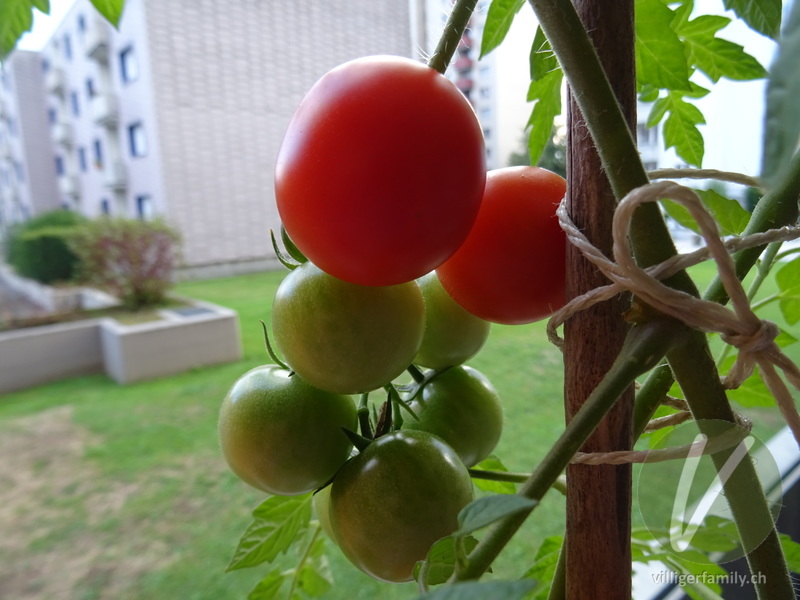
(740, 327)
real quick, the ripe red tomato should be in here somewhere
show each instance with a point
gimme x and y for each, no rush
(511, 268)
(389, 504)
(342, 337)
(281, 435)
(452, 335)
(381, 171)
(461, 406)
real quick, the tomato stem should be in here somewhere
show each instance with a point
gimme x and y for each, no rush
(363, 417)
(451, 36)
(270, 351)
(416, 373)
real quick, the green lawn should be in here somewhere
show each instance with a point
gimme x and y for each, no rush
(112, 491)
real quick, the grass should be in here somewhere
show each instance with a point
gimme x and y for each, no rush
(121, 492)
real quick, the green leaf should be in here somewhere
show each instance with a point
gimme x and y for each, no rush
(753, 392)
(269, 587)
(660, 58)
(714, 56)
(498, 21)
(16, 18)
(542, 58)
(485, 511)
(277, 525)
(110, 9)
(791, 550)
(315, 578)
(546, 92)
(493, 463)
(442, 559)
(481, 590)
(543, 569)
(788, 280)
(785, 339)
(681, 132)
(763, 16)
(716, 534)
(729, 214)
(782, 115)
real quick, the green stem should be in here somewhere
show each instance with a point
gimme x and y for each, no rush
(643, 349)
(363, 416)
(451, 36)
(416, 374)
(303, 560)
(558, 587)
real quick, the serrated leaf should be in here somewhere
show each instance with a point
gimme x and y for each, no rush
(791, 550)
(269, 587)
(660, 58)
(782, 115)
(277, 525)
(493, 463)
(717, 57)
(110, 9)
(785, 339)
(485, 511)
(498, 21)
(681, 132)
(442, 559)
(543, 569)
(763, 16)
(312, 582)
(546, 92)
(716, 534)
(542, 58)
(16, 18)
(729, 214)
(481, 590)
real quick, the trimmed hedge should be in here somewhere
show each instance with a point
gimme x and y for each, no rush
(39, 248)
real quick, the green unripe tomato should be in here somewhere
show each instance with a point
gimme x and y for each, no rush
(322, 507)
(461, 406)
(395, 499)
(342, 337)
(452, 335)
(281, 435)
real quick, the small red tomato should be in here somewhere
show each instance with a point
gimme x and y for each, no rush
(380, 174)
(511, 268)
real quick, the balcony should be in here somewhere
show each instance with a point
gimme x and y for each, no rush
(5, 150)
(105, 110)
(97, 41)
(55, 82)
(68, 185)
(3, 111)
(464, 63)
(115, 176)
(465, 84)
(63, 134)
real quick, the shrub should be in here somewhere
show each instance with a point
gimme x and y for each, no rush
(39, 248)
(131, 259)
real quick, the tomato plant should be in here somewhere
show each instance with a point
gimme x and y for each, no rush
(511, 268)
(343, 337)
(391, 502)
(382, 154)
(280, 434)
(461, 406)
(452, 335)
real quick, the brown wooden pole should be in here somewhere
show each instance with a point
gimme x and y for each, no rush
(598, 558)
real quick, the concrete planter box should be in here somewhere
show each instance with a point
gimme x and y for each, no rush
(199, 335)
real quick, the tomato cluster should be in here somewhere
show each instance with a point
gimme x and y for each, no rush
(403, 250)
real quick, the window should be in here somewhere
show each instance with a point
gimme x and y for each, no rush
(81, 24)
(105, 206)
(59, 166)
(137, 139)
(82, 159)
(98, 154)
(144, 207)
(67, 47)
(90, 91)
(51, 115)
(128, 65)
(45, 65)
(76, 108)
(20, 171)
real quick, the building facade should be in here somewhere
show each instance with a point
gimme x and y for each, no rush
(177, 114)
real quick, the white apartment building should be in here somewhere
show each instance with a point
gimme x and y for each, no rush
(178, 114)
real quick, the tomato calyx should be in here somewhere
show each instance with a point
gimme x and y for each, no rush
(290, 257)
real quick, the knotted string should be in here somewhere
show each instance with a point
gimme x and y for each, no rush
(740, 327)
